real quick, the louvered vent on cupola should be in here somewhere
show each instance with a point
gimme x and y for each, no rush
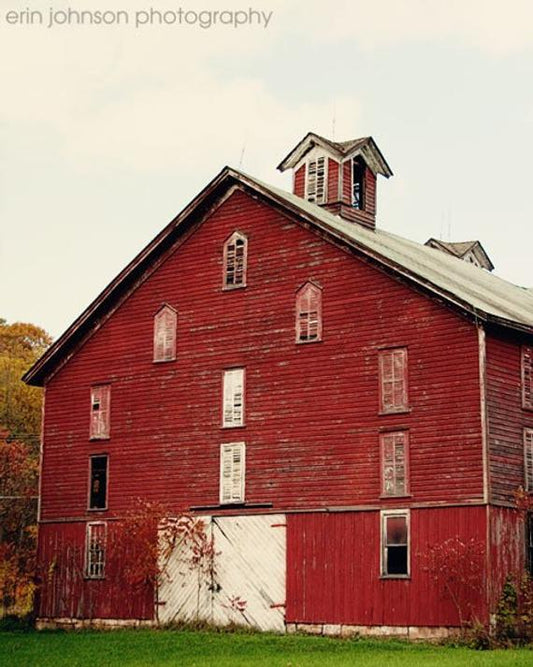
(340, 176)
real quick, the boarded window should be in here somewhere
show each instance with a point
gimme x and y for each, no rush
(316, 180)
(394, 454)
(309, 314)
(528, 458)
(233, 398)
(393, 380)
(95, 550)
(527, 377)
(232, 472)
(98, 482)
(100, 411)
(165, 323)
(358, 183)
(395, 544)
(235, 260)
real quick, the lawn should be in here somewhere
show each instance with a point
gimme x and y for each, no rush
(181, 647)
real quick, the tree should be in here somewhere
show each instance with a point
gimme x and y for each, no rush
(21, 344)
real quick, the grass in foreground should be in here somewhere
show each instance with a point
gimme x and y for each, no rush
(185, 647)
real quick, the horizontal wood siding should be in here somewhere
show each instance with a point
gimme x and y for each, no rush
(370, 192)
(507, 548)
(64, 592)
(333, 573)
(506, 417)
(299, 181)
(312, 423)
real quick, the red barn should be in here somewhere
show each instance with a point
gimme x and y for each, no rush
(346, 409)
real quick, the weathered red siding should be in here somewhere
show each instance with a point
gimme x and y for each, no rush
(334, 573)
(66, 593)
(312, 425)
(370, 192)
(507, 548)
(299, 181)
(333, 180)
(312, 410)
(506, 417)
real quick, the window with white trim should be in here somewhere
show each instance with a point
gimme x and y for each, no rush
(528, 458)
(235, 261)
(395, 543)
(233, 398)
(100, 412)
(393, 380)
(165, 322)
(394, 456)
(358, 183)
(98, 482)
(315, 188)
(527, 377)
(309, 314)
(95, 550)
(232, 469)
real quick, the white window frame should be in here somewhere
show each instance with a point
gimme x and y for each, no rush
(528, 459)
(100, 418)
(233, 393)
(95, 560)
(165, 334)
(384, 514)
(312, 194)
(232, 473)
(242, 259)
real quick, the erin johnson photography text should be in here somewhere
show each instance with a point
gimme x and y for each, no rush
(149, 16)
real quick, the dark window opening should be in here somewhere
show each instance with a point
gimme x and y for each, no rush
(395, 545)
(98, 489)
(529, 543)
(358, 184)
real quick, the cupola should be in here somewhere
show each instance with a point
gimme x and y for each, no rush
(340, 176)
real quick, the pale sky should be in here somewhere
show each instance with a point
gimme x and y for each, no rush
(107, 132)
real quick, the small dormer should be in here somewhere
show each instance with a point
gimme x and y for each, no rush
(469, 251)
(340, 176)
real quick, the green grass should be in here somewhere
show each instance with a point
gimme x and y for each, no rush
(185, 647)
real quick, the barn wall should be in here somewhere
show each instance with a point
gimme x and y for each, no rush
(333, 180)
(64, 592)
(507, 548)
(312, 423)
(333, 573)
(506, 417)
(299, 181)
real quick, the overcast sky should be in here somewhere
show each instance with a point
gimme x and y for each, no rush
(106, 132)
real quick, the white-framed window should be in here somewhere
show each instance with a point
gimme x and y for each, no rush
(393, 380)
(232, 471)
(309, 314)
(100, 412)
(235, 261)
(233, 398)
(395, 543)
(528, 458)
(358, 183)
(316, 180)
(95, 549)
(394, 462)
(165, 328)
(527, 377)
(98, 465)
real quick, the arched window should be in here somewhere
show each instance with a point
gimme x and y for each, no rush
(309, 314)
(235, 255)
(165, 334)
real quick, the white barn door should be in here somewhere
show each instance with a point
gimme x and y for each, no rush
(248, 582)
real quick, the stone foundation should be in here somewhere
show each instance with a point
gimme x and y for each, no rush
(94, 623)
(412, 633)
